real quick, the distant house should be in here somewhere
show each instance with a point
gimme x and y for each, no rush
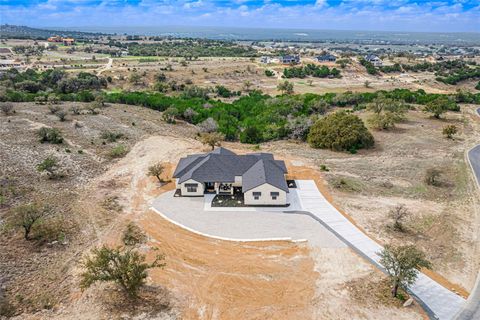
(55, 39)
(268, 59)
(258, 176)
(326, 58)
(65, 41)
(373, 59)
(290, 59)
(8, 64)
(68, 41)
(5, 51)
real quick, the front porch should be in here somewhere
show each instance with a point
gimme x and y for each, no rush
(221, 188)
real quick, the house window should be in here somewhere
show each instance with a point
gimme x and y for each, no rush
(256, 195)
(274, 195)
(191, 187)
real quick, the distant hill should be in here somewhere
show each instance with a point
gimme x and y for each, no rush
(23, 32)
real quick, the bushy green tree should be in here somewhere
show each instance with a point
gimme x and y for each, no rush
(123, 266)
(285, 87)
(340, 131)
(251, 135)
(212, 139)
(402, 264)
(450, 130)
(386, 113)
(156, 170)
(439, 106)
(27, 216)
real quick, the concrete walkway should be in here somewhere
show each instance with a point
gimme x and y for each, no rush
(440, 302)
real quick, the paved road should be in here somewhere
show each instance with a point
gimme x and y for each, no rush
(471, 309)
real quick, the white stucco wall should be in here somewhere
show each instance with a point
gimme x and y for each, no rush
(183, 188)
(238, 181)
(265, 198)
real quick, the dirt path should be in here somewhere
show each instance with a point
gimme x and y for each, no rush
(108, 66)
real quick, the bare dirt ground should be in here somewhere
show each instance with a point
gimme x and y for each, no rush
(203, 279)
(234, 72)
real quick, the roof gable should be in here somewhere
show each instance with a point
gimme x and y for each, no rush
(222, 165)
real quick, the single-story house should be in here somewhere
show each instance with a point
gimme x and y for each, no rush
(258, 176)
(68, 41)
(326, 58)
(290, 59)
(8, 64)
(375, 60)
(268, 59)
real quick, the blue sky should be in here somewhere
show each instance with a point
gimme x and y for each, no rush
(388, 15)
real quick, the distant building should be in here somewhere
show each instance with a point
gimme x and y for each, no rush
(268, 59)
(326, 58)
(290, 59)
(5, 51)
(373, 59)
(68, 41)
(65, 41)
(8, 64)
(55, 39)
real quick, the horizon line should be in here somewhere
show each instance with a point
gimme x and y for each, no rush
(248, 28)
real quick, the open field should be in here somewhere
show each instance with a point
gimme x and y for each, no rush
(444, 220)
(233, 72)
(101, 196)
(103, 185)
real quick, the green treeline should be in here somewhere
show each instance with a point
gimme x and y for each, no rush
(189, 48)
(311, 70)
(252, 118)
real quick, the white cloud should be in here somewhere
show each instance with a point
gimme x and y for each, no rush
(402, 15)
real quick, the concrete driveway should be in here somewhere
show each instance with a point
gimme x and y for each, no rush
(321, 224)
(244, 225)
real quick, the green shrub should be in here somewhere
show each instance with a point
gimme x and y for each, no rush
(118, 151)
(269, 73)
(324, 168)
(50, 166)
(111, 136)
(51, 135)
(251, 135)
(340, 131)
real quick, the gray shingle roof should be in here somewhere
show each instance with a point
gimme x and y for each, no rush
(222, 165)
(264, 171)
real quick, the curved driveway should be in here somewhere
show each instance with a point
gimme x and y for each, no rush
(319, 222)
(471, 309)
(243, 225)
